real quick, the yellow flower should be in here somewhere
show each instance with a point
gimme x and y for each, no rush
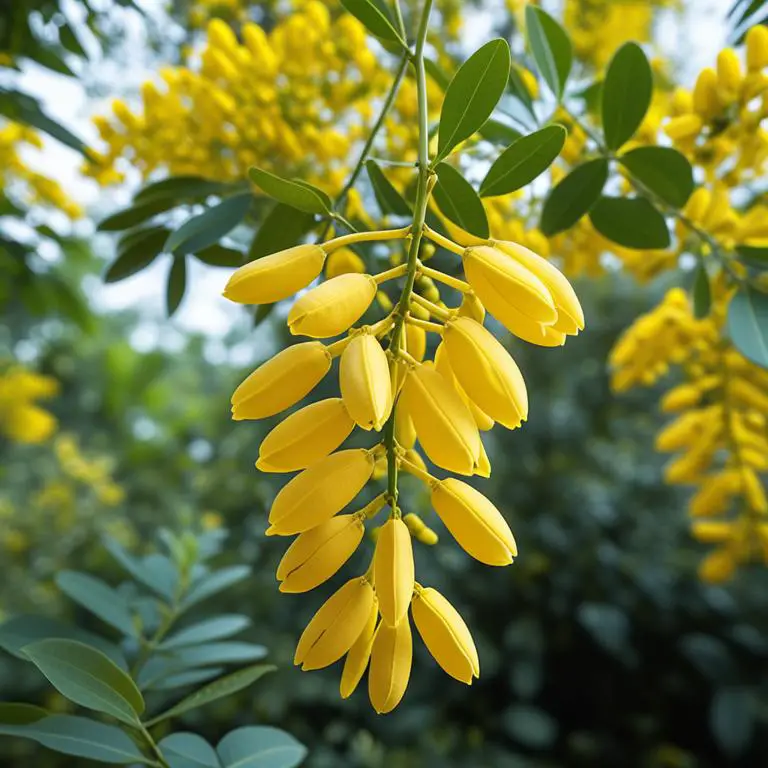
(445, 634)
(305, 437)
(318, 493)
(729, 75)
(365, 382)
(282, 381)
(391, 657)
(28, 424)
(358, 656)
(342, 261)
(332, 307)
(478, 527)
(419, 530)
(335, 627)
(757, 48)
(705, 99)
(275, 277)
(319, 552)
(393, 570)
(683, 127)
(717, 567)
(416, 341)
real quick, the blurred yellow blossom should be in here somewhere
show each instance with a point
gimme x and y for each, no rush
(21, 419)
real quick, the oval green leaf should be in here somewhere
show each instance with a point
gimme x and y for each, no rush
(218, 653)
(755, 256)
(210, 226)
(183, 679)
(387, 197)
(521, 162)
(260, 746)
(551, 48)
(627, 92)
(375, 18)
(216, 628)
(176, 285)
(632, 222)
(98, 598)
(136, 214)
(300, 196)
(702, 293)
(748, 325)
(473, 94)
(457, 199)
(86, 676)
(663, 170)
(573, 196)
(220, 256)
(212, 583)
(188, 750)
(20, 714)
(136, 251)
(181, 189)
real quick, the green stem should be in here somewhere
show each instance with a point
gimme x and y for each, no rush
(147, 736)
(419, 216)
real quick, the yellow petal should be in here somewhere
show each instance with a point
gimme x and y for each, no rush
(317, 554)
(357, 658)
(281, 381)
(416, 341)
(393, 570)
(335, 627)
(332, 307)
(570, 315)
(276, 277)
(475, 523)
(501, 282)
(444, 425)
(443, 365)
(305, 437)
(318, 493)
(472, 307)
(483, 463)
(445, 634)
(342, 261)
(365, 382)
(391, 658)
(486, 371)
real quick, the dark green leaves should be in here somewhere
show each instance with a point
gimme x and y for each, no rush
(663, 170)
(702, 293)
(457, 199)
(753, 255)
(551, 48)
(20, 714)
(732, 719)
(87, 677)
(523, 161)
(98, 598)
(630, 221)
(374, 18)
(188, 750)
(387, 197)
(180, 189)
(135, 214)
(472, 95)
(283, 228)
(213, 583)
(136, 251)
(573, 196)
(259, 746)
(627, 92)
(303, 197)
(176, 285)
(210, 226)
(215, 628)
(748, 325)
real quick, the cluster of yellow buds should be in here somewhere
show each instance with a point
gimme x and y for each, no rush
(388, 388)
(721, 431)
(21, 418)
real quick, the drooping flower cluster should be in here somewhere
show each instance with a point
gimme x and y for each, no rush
(21, 418)
(389, 388)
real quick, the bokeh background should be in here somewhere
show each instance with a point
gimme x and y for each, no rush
(601, 646)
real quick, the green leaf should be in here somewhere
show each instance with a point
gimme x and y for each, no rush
(210, 226)
(20, 631)
(458, 200)
(176, 285)
(663, 170)
(387, 197)
(702, 294)
(219, 689)
(374, 18)
(499, 133)
(627, 92)
(473, 94)
(748, 325)
(630, 221)
(260, 746)
(289, 192)
(138, 569)
(142, 235)
(283, 228)
(551, 48)
(522, 162)
(218, 653)
(732, 720)
(136, 214)
(181, 189)
(20, 714)
(753, 255)
(98, 598)
(216, 628)
(184, 679)
(87, 677)
(81, 737)
(136, 252)
(213, 583)
(219, 256)
(188, 750)
(573, 196)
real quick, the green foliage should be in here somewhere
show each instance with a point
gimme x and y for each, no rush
(748, 324)
(387, 197)
(299, 195)
(632, 222)
(551, 48)
(458, 200)
(574, 196)
(663, 171)
(375, 18)
(702, 293)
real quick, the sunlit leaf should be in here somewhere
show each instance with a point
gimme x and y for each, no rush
(458, 200)
(663, 170)
(551, 48)
(300, 196)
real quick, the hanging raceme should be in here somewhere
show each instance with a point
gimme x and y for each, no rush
(423, 375)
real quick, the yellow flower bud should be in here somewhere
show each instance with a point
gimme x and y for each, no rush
(342, 262)
(444, 425)
(317, 554)
(697, 204)
(405, 432)
(729, 74)
(483, 463)
(419, 530)
(305, 437)
(414, 457)
(416, 341)
(486, 371)
(711, 531)
(357, 658)
(443, 365)
(281, 381)
(220, 35)
(757, 48)
(683, 127)
(335, 627)
(472, 307)
(391, 657)
(366, 387)
(332, 307)
(717, 567)
(318, 493)
(705, 100)
(393, 570)
(570, 316)
(445, 634)
(680, 398)
(478, 527)
(754, 491)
